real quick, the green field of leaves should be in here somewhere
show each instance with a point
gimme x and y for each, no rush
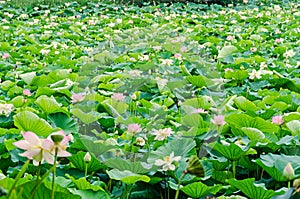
(178, 100)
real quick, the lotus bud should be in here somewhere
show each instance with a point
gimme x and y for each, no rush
(56, 138)
(296, 183)
(87, 158)
(288, 172)
(195, 167)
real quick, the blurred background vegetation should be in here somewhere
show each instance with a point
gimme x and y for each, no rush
(31, 3)
(137, 2)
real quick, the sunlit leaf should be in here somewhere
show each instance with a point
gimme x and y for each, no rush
(198, 189)
(252, 190)
(28, 121)
(127, 176)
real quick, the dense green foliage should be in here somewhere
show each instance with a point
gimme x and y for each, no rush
(161, 101)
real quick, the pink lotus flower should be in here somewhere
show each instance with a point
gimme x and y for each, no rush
(134, 128)
(288, 171)
(32, 145)
(77, 97)
(183, 49)
(178, 56)
(230, 37)
(218, 120)
(118, 96)
(38, 150)
(277, 120)
(5, 56)
(199, 110)
(56, 141)
(279, 40)
(87, 157)
(162, 133)
(26, 92)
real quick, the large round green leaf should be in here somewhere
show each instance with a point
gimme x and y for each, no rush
(28, 121)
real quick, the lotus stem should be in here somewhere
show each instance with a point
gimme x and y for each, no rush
(20, 174)
(54, 173)
(179, 183)
(86, 169)
(234, 168)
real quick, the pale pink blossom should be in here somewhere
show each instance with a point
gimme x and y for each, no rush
(118, 96)
(230, 37)
(199, 110)
(87, 157)
(255, 74)
(134, 128)
(278, 120)
(6, 109)
(218, 120)
(5, 56)
(162, 133)
(279, 40)
(253, 49)
(56, 141)
(45, 52)
(288, 171)
(167, 62)
(26, 92)
(228, 69)
(157, 48)
(183, 49)
(77, 97)
(32, 145)
(167, 162)
(178, 56)
(140, 141)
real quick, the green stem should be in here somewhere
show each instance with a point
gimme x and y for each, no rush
(289, 184)
(37, 177)
(168, 186)
(131, 147)
(41, 180)
(233, 168)
(54, 173)
(86, 169)
(38, 172)
(179, 182)
(20, 174)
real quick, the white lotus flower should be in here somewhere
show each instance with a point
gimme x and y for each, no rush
(167, 162)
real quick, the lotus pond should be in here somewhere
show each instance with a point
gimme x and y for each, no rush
(160, 101)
